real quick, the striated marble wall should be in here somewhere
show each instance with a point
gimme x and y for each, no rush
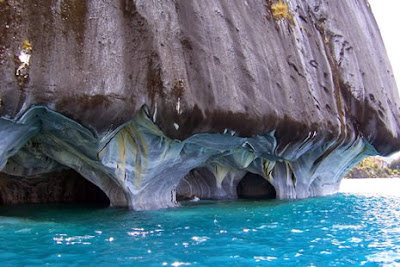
(138, 166)
(149, 99)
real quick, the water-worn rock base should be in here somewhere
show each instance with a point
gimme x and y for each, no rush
(137, 166)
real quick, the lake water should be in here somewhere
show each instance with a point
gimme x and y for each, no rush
(350, 228)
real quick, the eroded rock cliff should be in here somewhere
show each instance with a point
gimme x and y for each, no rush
(150, 99)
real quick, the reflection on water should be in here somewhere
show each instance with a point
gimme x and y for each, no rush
(340, 230)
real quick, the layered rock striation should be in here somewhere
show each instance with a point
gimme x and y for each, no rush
(157, 100)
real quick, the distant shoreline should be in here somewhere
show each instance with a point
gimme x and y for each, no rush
(375, 167)
(371, 186)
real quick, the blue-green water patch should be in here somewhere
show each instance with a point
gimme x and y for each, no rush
(332, 231)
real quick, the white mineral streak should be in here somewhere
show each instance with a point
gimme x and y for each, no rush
(178, 106)
(24, 58)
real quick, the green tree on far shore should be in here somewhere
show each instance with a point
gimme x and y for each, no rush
(375, 167)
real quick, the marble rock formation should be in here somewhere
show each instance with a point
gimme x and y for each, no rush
(153, 101)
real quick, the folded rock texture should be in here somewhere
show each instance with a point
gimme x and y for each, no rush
(156, 100)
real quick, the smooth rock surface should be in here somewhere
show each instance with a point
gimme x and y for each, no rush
(135, 95)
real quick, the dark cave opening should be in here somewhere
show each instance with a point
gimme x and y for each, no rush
(66, 186)
(254, 186)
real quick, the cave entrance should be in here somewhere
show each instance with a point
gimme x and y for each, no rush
(254, 186)
(198, 183)
(66, 186)
(79, 190)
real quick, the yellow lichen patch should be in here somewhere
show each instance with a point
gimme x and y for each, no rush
(27, 46)
(220, 173)
(243, 158)
(24, 57)
(268, 166)
(122, 153)
(280, 10)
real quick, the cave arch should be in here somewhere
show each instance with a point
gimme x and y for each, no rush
(254, 186)
(199, 182)
(202, 183)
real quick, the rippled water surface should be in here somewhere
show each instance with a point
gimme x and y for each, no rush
(343, 229)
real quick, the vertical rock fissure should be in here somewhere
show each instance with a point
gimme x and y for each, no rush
(326, 43)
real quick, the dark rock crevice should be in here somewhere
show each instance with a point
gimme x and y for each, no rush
(253, 186)
(57, 187)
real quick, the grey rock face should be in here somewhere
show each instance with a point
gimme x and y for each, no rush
(229, 89)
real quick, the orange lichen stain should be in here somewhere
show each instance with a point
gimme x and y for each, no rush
(280, 10)
(27, 46)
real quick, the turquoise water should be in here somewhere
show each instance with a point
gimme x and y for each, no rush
(340, 230)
